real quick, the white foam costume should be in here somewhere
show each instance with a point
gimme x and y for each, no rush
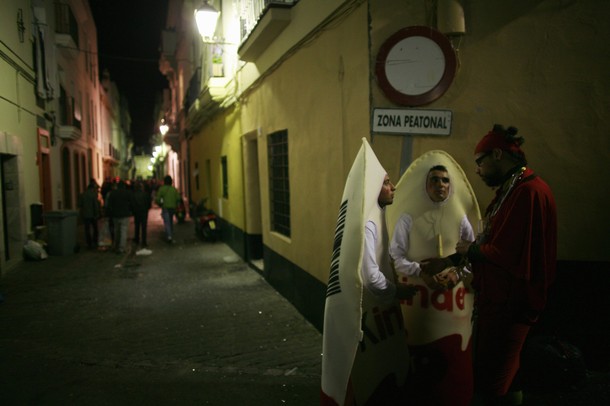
(364, 338)
(438, 323)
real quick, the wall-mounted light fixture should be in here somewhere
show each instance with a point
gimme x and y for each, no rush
(163, 128)
(450, 21)
(450, 18)
(206, 17)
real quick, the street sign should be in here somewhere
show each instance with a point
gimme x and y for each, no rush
(412, 121)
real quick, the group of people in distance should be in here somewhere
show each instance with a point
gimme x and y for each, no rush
(468, 288)
(118, 201)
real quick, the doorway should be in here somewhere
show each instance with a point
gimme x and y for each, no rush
(44, 170)
(252, 200)
(11, 207)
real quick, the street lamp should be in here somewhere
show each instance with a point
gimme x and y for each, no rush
(163, 128)
(206, 17)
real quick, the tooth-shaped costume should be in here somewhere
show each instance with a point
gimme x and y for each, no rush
(364, 338)
(438, 323)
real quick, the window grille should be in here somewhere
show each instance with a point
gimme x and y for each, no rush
(279, 183)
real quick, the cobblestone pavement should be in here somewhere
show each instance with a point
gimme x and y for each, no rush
(190, 324)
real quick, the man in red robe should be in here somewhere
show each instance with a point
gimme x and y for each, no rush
(513, 259)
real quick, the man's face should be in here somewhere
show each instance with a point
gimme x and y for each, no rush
(438, 185)
(488, 168)
(386, 195)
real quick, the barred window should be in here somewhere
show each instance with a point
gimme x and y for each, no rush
(279, 184)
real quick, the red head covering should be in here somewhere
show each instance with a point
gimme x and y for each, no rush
(497, 138)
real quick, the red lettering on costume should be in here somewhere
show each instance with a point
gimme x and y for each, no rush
(422, 294)
(440, 299)
(445, 303)
(460, 294)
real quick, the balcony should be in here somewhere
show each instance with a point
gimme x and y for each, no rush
(274, 18)
(193, 90)
(66, 30)
(169, 41)
(69, 132)
(172, 139)
(216, 96)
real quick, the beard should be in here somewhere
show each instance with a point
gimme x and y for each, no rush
(493, 179)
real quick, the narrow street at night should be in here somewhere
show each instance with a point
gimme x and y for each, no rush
(189, 324)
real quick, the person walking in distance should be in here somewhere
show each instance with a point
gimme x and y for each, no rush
(142, 202)
(167, 198)
(120, 208)
(89, 204)
(513, 260)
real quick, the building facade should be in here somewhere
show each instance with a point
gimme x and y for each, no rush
(269, 136)
(53, 136)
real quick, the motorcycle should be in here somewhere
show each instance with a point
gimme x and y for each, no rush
(206, 223)
(181, 212)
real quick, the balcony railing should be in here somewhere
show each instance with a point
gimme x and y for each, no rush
(252, 11)
(66, 27)
(261, 26)
(192, 93)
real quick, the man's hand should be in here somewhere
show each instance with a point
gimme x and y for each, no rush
(431, 281)
(448, 278)
(432, 266)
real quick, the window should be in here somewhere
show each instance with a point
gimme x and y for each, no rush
(225, 177)
(65, 22)
(69, 112)
(279, 184)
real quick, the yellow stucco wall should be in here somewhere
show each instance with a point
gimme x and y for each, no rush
(319, 96)
(222, 137)
(18, 134)
(540, 66)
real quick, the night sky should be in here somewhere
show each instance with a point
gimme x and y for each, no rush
(129, 37)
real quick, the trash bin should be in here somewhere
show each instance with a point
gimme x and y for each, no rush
(61, 231)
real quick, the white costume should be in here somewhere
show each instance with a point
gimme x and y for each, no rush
(376, 268)
(400, 244)
(364, 338)
(438, 322)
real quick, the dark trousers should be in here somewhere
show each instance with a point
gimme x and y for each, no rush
(91, 232)
(140, 221)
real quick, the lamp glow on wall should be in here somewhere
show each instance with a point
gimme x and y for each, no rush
(206, 17)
